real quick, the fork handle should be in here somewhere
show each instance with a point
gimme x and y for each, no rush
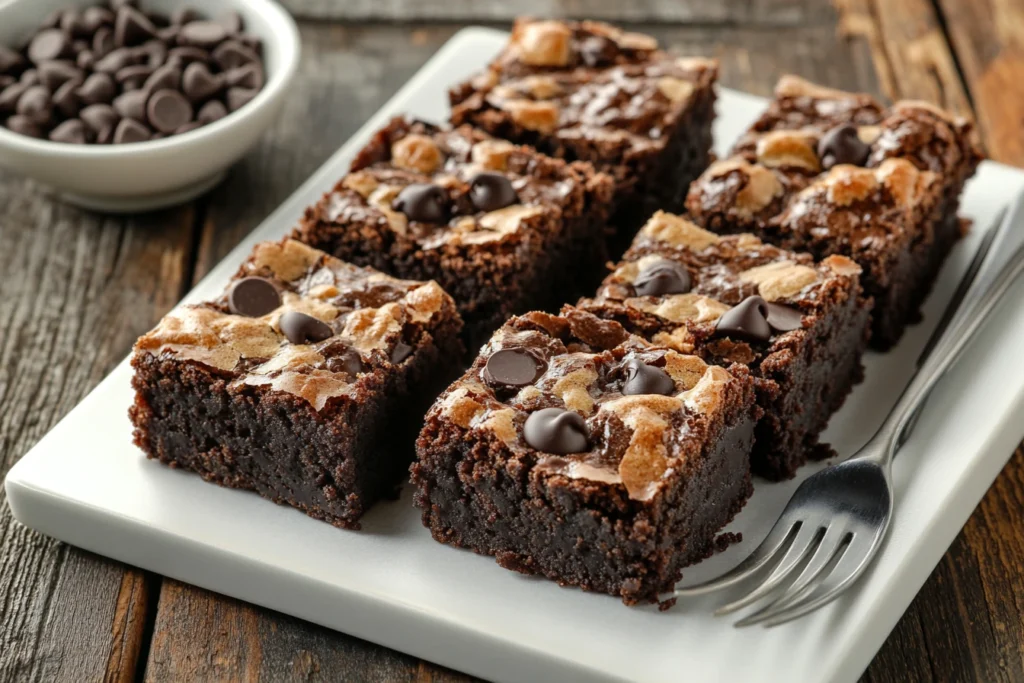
(897, 426)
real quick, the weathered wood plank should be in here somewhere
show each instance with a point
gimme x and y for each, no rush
(705, 12)
(988, 41)
(77, 290)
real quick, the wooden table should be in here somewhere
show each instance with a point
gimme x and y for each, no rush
(77, 288)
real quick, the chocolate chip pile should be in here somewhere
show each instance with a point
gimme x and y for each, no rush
(115, 74)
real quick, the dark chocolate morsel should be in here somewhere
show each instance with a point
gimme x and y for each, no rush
(132, 105)
(187, 54)
(71, 131)
(347, 362)
(188, 127)
(400, 352)
(10, 61)
(841, 145)
(199, 84)
(300, 328)
(239, 97)
(56, 73)
(784, 318)
(51, 43)
(66, 100)
(98, 88)
(513, 368)
(232, 54)
(642, 378)
(553, 430)
(168, 110)
(253, 297)
(133, 72)
(10, 95)
(130, 130)
(184, 15)
(85, 60)
(204, 34)
(214, 110)
(249, 76)
(114, 61)
(101, 119)
(746, 320)
(491, 191)
(165, 77)
(24, 126)
(132, 27)
(6, 81)
(94, 17)
(102, 42)
(37, 105)
(30, 77)
(423, 202)
(663, 276)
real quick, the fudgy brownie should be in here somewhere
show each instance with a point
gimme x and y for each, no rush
(573, 450)
(587, 90)
(500, 227)
(306, 381)
(831, 172)
(799, 326)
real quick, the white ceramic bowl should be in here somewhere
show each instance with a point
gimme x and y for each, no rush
(160, 173)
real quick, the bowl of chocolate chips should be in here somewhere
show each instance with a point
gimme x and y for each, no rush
(132, 105)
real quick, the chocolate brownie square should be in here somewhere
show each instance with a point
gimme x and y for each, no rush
(500, 227)
(575, 451)
(306, 381)
(831, 172)
(587, 90)
(799, 326)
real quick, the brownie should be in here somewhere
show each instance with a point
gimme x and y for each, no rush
(830, 172)
(575, 451)
(306, 381)
(500, 227)
(799, 326)
(588, 90)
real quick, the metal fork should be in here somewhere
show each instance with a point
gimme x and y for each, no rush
(837, 519)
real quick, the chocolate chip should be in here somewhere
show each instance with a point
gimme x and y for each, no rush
(423, 202)
(746, 320)
(95, 17)
(132, 27)
(49, 44)
(24, 126)
(103, 42)
(513, 368)
(253, 297)
(71, 23)
(184, 15)
(58, 72)
(168, 110)
(30, 77)
(37, 105)
(70, 131)
(784, 318)
(661, 277)
(239, 97)
(135, 72)
(6, 80)
(642, 378)
(214, 110)
(249, 76)
(165, 77)
(300, 328)
(841, 145)
(66, 98)
(400, 352)
(345, 362)
(187, 127)
(11, 62)
(169, 34)
(98, 88)
(553, 430)
(205, 34)
(231, 21)
(130, 130)
(85, 60)
(491, 191)
(114, 61)
(232, 54)
(153, 53)
(199, 84)
(101, 119)
(132, 105)
(187, 55)
(10, 95)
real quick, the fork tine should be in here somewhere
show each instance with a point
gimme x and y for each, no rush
(803, 546)
(831, 548)
(777, 540)
(849, 567)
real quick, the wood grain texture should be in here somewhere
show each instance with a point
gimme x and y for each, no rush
(713, 12)
(77, 289)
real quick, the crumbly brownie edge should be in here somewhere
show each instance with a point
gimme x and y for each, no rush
(569, 531)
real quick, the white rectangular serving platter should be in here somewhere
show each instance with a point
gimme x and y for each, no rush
(86, 484)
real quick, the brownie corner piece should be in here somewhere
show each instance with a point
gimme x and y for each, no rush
(577, 452)
(800, 326)
(303, 381)
(588, 90)
(501, 227)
